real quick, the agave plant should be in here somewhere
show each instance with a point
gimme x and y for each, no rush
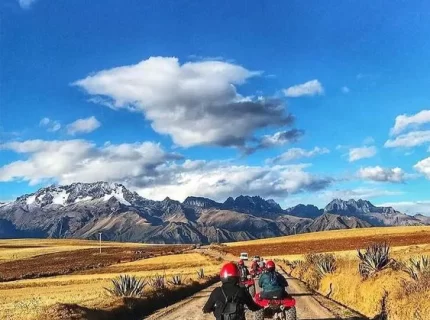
(326, 264)
(297, 263)
(375, 258)
(313, 258)
(176, 280)
(418, 266)
(158, 282)
(200, 273)
(127, 286)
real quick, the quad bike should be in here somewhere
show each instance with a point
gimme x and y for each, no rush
(283, 308)
(249, 284)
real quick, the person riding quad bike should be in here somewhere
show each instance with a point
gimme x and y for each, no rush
(227, 302)
(262, 264)
(254, 267)
(243, 270)
(272, 283)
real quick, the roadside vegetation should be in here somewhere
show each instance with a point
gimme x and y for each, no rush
(372, 281)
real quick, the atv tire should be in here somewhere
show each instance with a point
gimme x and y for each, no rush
(290, 314)
(259, 315)
(251, 291)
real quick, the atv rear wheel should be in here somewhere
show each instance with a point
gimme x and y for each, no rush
(259, 315)
(290, 314)
(251, 291)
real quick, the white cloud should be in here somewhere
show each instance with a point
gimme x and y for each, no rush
(81, 161)
(298, 153)
(25, 4)
(83, 126)
(410, 207)
(404, 121)
(50, 125)
(155, 173)
(310, 88)
(410, 139)
(361, 153)
(382, 174)
(423, 167)
(196, 103)
(345, 89)
(219, 181)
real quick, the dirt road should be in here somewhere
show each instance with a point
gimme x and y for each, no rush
(190, 309)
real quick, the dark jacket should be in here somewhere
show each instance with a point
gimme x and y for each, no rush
(243, 272)
(216, 300)
(272, 281)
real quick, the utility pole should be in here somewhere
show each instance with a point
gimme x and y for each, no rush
(100, 242)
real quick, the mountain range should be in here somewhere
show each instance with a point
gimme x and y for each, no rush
(82, 210)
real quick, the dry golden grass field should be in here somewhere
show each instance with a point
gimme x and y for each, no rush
(405, 298)
(31, 298)
(39, 276)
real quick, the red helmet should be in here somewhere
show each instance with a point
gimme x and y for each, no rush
(240, 263)
(270, 265)
(229, 271)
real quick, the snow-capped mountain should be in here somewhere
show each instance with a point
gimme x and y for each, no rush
(81, 192)
(81, 210)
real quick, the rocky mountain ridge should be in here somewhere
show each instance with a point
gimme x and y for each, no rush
(81, 210)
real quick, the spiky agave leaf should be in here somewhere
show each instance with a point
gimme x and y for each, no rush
(176, 280)
(158, 282)
(127, 286)
(416, 267)
(375, 258)
(200, 273)
(326, 264)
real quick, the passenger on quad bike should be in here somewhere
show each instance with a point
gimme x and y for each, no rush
(272, 283)
(227, 302)
(262, 264)
(243, 270)
(254, 267)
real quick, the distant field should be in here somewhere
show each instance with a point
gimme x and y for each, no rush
(14, 249)
(331, 241)
(28, 299)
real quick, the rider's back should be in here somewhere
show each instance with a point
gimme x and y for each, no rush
(217, 299)
(272, 282)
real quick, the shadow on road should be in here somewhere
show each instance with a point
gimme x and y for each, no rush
(302, 294)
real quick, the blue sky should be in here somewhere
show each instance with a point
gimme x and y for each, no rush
(177, 98)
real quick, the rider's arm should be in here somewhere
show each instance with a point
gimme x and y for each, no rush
(250, 303)
(210, 304)
(260, 281)
(282, 280)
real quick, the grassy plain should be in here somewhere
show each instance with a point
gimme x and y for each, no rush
(405, 299)
(28, 299)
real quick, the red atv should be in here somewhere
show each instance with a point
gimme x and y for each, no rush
(283, 308)
(249, 284)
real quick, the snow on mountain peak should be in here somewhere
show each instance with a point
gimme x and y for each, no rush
(79, 192)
